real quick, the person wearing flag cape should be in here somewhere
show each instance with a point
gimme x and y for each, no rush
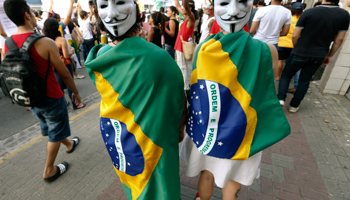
(142, 104)
(234, 112)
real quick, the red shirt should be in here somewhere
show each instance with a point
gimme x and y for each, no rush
(185, 32)
(53, 89)
(216, 28)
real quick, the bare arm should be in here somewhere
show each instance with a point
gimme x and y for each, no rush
(172, 27)
(210, 24)
(150, 35)
(2, 31)
(69, 13)
(50, 9)
(3, 52)
(190, 15)
(285, 30)
(178, 8)
(274, 55)
(183, 120)
(48, 50)
(296, 35)
(65, 50)
(335, 46)
(254, 27)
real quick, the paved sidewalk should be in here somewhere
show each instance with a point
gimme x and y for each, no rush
(312, 163)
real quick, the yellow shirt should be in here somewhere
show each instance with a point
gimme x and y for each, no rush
(286, 41)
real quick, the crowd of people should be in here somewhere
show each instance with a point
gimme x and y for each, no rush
(222, 91)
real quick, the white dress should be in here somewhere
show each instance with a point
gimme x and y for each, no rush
(243, 172)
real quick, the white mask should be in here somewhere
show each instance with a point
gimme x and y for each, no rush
(118, 16)
(232, 15)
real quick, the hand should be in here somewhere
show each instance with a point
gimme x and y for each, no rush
(76, 98)
(71, 2)
(327, 60)
(51, 2)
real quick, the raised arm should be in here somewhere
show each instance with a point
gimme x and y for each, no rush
(178, 8)
(50, 9)
(69, 13)
(190, 15)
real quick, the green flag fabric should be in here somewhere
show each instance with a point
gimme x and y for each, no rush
(234, 110)
(142, 98)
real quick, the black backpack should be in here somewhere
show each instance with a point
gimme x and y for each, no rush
(19, 80)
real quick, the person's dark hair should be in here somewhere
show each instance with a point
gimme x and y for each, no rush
(335, 2)
(261, 2)
(71, 27)
(40, 12)
(287, 6)
(51, 28)
(35, 13)
(299, 1)
(15, 10)
(132, 31)
(161, 9)
(158, 20)
(192, 6)
(143, 16)
(83, 14)
(317, 4)
(304, 6)
(173, 9)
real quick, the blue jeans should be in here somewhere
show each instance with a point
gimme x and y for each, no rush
(63, 85)
(308, 68)
(87, 46)
(170, 50)
(296, 79)
(53, 119)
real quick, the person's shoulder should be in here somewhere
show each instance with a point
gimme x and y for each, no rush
(44, 42)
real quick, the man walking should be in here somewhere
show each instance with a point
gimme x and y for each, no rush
(313, 34)
(268, 22)
(53, 115)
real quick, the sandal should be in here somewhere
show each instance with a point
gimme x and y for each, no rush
(61, 169)
(82, 105)
(76, 141)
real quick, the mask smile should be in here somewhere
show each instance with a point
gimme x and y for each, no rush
(113, 21)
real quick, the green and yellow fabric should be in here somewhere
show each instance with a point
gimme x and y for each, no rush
(234, 110)
(142, 97)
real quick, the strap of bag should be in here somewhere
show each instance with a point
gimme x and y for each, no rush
(10, 43)
(32, 38)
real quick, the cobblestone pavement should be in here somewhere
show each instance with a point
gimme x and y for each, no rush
(312, 163)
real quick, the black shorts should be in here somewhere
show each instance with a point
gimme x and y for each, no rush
(283, 53)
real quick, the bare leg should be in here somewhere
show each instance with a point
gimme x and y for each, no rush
(67, 143)
(206, 185)
(231, 190)
(280, 67)
(52, 150)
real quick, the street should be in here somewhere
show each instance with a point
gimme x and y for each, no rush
(14, 118)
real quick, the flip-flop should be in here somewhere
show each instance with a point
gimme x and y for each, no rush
(61, 169)
(82, 105)
(76, 141)
(197, 195)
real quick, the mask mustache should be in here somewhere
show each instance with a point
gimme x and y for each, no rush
(232, 18)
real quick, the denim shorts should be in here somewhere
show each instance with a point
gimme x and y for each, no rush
(53, 118)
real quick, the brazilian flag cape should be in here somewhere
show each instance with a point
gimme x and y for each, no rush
(142, 99)
(234, 110)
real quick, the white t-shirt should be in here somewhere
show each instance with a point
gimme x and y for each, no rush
(272, 18)
(205, 29)
(85, 29)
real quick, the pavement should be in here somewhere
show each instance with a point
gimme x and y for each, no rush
(313, 162)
